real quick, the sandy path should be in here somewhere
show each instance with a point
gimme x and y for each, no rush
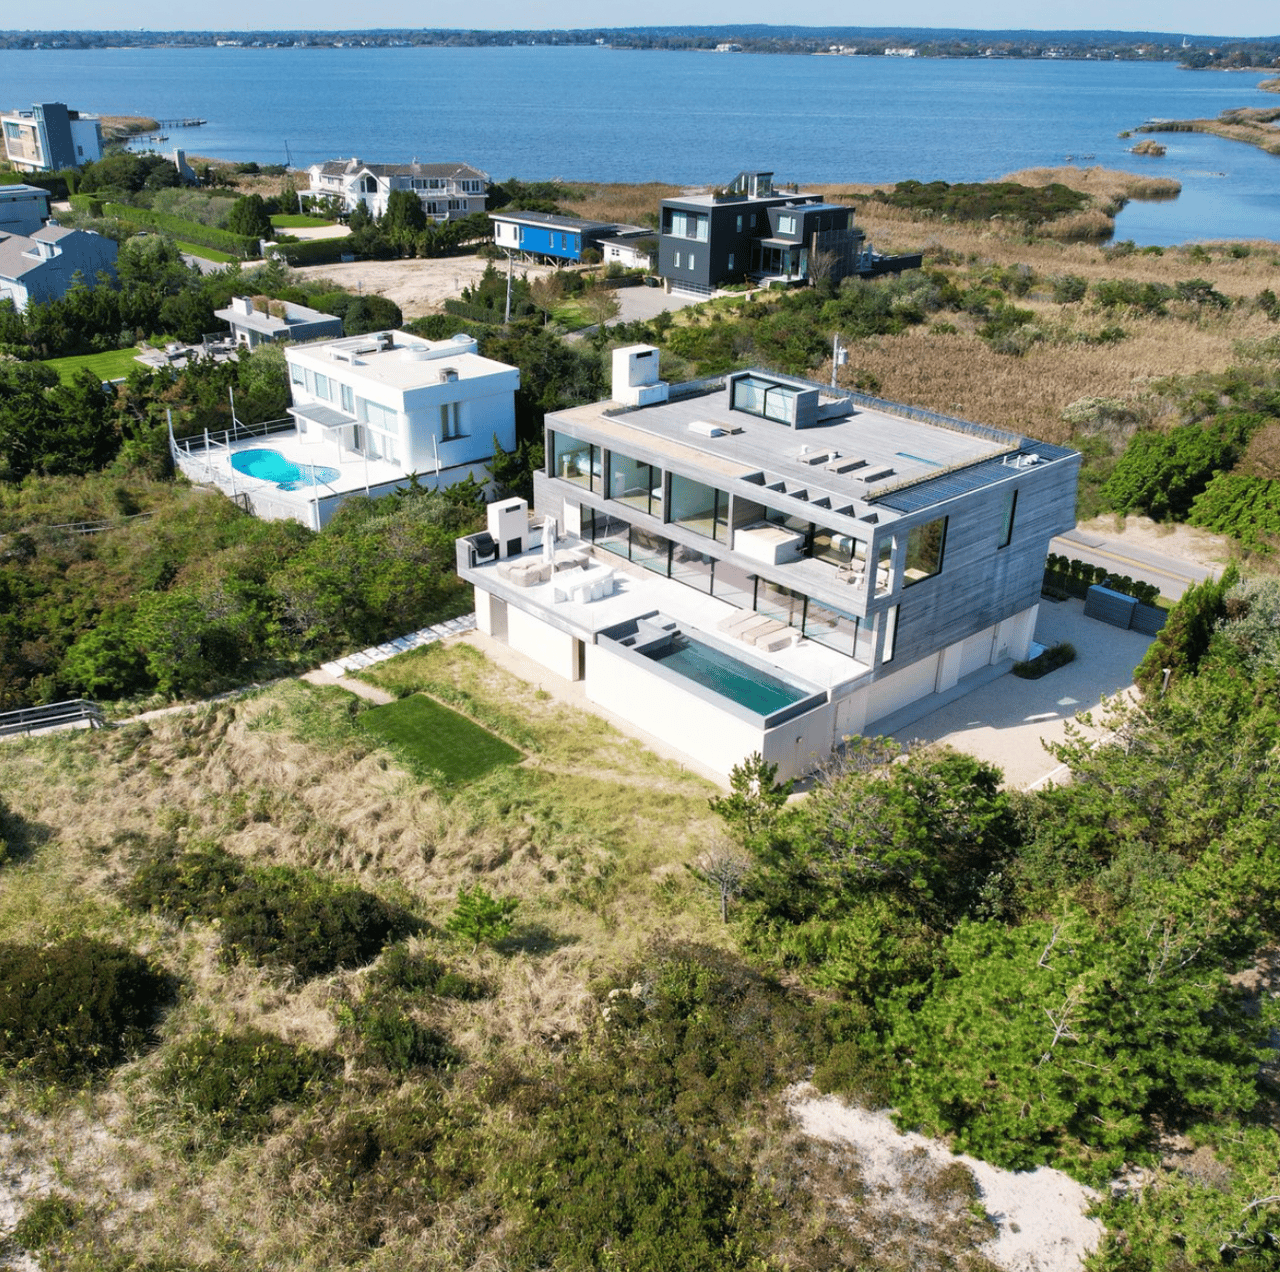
(1039, 1214)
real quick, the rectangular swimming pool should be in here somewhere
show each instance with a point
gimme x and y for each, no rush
(726, 675)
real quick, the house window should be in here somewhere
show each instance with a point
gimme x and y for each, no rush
(636, 484)
(739, 223)
(889, 622)
(576, 462)
(734, 585)
(607, 531)
(322, 388)
(379, 416)
(296, 374)
(753, 220)
(1006, 521)
(691, 567)
(730, 265)
(450, 426)
(691, 261)
(701, 509)
(764, 398)
(781, 604)
(348, 399)
(924, 551)
(677, 260)
(832, 628)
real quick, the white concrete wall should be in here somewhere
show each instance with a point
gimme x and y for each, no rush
(491, 615)
(682, 720)
(691, 724)
(486, 406)
(850, 714)
(800, 745)
(546, 645)
(891, 693)
(975, 653)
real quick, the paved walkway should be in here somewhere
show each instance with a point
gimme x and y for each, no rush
(401, 645)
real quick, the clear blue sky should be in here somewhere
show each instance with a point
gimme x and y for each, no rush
(1244, 18)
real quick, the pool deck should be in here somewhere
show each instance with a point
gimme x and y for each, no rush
(209, 461)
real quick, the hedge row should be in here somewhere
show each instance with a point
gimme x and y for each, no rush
(312, 251)
(1076, 577)
(88, 204)
(192, 231)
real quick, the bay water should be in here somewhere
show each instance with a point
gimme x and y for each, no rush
(600, 114)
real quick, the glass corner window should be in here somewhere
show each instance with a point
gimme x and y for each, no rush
(925, 545)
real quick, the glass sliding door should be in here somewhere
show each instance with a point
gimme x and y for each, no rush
(636, 484)
(701, 509)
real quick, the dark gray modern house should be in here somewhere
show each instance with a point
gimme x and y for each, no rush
(751, 230)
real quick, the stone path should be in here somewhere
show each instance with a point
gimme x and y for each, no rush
(402, 644)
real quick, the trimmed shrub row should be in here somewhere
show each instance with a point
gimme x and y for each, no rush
(1075, 578)
(192, 231)
(88, 204)
(312, 251)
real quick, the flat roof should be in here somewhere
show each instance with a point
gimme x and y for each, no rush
(397, 359)
(864, 461)
(551, 220)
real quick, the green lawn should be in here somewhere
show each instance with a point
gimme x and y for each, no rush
(438, 739)
(205, 253)
(282, 221)
(112, 365)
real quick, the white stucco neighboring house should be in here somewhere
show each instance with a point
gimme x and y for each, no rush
(370, 414)
(42, 266)
(447, 191)
(254, 321)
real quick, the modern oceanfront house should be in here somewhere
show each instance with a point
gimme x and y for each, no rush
(759, 563)
(49, 137)
(370, 414)
(752, 230)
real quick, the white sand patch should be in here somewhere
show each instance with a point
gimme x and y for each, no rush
(1039, 1214)
(419, 286)
(19, 1185)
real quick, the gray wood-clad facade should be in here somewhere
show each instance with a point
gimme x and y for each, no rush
(903, 550)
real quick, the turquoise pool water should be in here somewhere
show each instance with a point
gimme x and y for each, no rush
(270, 465)
(756, 690)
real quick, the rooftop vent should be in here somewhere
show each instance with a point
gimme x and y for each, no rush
(704, 428)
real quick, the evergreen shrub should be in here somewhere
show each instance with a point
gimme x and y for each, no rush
(275, 915)
(236, 1080)
(81, 1005)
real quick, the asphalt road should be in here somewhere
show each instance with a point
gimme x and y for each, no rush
(1172, 575)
